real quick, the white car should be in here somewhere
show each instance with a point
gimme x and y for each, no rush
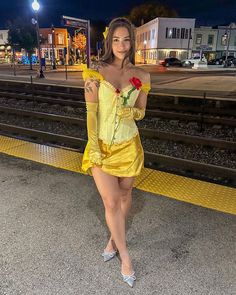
(189, 62)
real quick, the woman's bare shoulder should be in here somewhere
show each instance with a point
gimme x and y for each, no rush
(102, 67)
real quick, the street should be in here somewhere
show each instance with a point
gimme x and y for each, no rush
(216, 81)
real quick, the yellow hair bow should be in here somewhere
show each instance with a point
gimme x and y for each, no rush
(105, 32)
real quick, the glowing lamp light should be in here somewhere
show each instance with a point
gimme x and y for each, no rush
(35, 5)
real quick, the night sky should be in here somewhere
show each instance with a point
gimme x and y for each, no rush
(207, 12)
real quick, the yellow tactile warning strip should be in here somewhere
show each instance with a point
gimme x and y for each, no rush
(181, 188)
(52, 156)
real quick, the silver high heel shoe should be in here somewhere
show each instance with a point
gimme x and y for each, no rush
(129, 279)
(108, 255)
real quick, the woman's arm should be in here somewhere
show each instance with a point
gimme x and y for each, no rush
(138, 111)
(91, 97)
(141, 101)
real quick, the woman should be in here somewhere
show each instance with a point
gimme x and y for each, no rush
(116, 96)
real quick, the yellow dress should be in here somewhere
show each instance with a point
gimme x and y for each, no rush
(118, 139)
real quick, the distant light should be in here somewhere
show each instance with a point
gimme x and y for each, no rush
(35, 5)
(145, 42)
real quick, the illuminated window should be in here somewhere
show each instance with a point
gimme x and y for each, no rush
(60, 38)
(49, 38)
(169, 33)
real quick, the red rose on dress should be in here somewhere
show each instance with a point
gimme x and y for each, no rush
(136, 82)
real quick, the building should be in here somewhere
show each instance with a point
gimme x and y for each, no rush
(213, 41)
(226, 39)
(205, 42)
(5, 48)
(164, 37)
(57, 39)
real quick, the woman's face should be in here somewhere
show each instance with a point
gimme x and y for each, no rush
(121, 43)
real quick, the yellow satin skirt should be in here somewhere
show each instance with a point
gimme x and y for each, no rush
(122, 160)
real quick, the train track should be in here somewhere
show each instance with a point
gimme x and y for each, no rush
(186, 103)
(147, 132)
(151, 159)
(74, 98)
(74, 101)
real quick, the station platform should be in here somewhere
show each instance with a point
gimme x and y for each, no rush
(180, 232)
(182, 188)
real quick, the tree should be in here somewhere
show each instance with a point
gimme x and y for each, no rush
(146, 12)
(22, 34)
(79, 41)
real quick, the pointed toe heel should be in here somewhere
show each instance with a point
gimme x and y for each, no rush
(129, 279)
(108, 255)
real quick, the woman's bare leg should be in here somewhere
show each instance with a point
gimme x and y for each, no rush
(126, 186)
(111, 193)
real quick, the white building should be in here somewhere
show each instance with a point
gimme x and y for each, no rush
(164, 37)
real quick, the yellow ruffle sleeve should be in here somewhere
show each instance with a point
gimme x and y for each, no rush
(90, 73)
(146, 87)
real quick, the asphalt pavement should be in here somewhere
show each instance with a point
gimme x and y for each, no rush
(53, 232)
(215, 82)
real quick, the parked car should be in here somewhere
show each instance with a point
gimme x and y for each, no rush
(234, 62)
(170, 62)
(189, 62)
(221, 60)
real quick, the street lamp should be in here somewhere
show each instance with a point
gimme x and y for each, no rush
(189, 38)
(145, 43)
(36, 7)
(53, 52)
(226, 37)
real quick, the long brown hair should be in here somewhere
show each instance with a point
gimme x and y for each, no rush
(108, 56)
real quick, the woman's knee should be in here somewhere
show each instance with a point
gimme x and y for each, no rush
(126, 185)
(126, 194)
(112, 203)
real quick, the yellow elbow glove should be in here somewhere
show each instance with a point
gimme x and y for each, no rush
(95, 155)
(131, 113)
